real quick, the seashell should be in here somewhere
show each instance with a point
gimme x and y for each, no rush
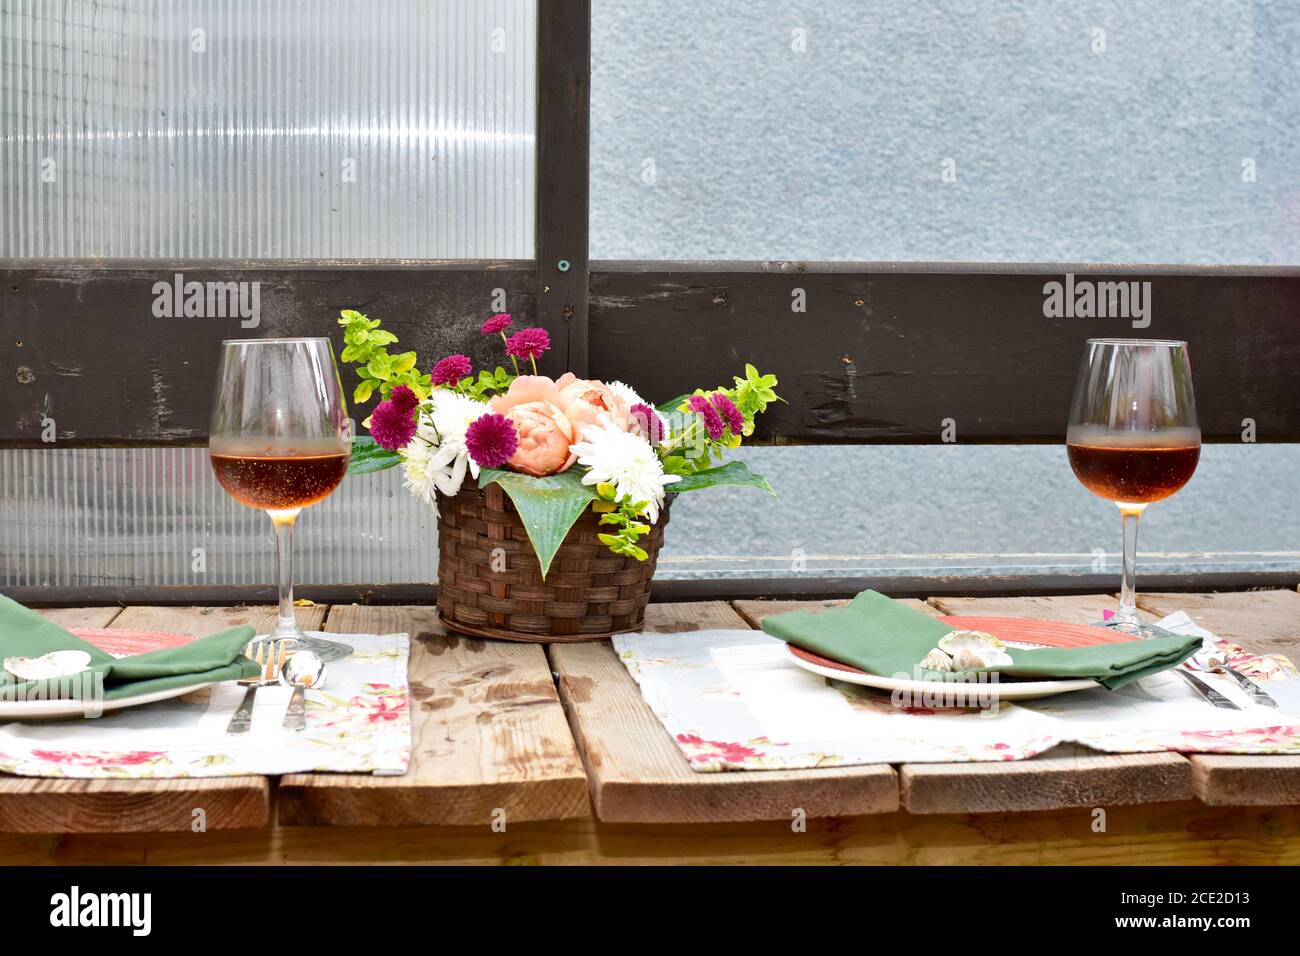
(968, 660)
(954, 641)
(974, 650)
(48, 666)
(936, 660)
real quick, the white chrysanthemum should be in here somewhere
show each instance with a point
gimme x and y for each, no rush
(627, 393)
(436, 459)
(625, 461)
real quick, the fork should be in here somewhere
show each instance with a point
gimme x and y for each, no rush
(269, 656)
(1211, 661)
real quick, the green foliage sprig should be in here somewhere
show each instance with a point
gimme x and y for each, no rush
(366, 346)
(485, 385)
(689, 449)
(625, 518)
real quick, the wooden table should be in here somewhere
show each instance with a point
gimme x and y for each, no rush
(526, 753)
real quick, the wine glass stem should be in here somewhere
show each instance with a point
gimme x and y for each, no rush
(1127, 614)
(283, 521)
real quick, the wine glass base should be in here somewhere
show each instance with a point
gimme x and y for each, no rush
(1135, 629)
(327, 651)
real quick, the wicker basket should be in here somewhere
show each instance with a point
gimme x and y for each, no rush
(589, 593)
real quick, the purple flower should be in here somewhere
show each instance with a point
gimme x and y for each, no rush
(402, 397)
(451, 370)
(498, 323)
(647, 422)
(528, 344)
(713, 423)
(391, 425)
(730, 413)
(491, 440)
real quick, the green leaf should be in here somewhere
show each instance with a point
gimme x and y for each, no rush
(732, 473)
(672, 406)
(379, 367)
(548, 506)
(363, 392)
(404, 362)
(368, 457)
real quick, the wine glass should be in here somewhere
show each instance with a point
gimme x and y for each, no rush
(1133, 437)
(280, 441)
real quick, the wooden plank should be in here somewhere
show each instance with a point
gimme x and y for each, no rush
(637, 773)
(488, 736)
(1075, 608)
(40, 805)
(201, 621)
(80, 616)
(43, 805)
(913, 343)
(66, 322)
(889, 351)
(1169, 834)
(1066, 776)
(1266, 622)
(563, 182)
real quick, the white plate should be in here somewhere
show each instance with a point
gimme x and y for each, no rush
(940, 692)
(51, 709)
(119, 642)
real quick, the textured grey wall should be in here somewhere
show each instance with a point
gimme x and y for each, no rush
(1061, 153)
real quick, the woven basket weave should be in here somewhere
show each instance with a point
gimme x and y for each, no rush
(589, 593)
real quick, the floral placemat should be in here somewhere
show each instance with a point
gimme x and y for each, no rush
(358, 722)
(733, 700)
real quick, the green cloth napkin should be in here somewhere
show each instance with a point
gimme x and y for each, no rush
(884, 637)
(218, 657)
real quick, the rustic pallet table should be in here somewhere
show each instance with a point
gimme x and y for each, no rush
(548, 754)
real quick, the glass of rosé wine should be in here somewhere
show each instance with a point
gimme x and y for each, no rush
(1133, 438)
(280, 441)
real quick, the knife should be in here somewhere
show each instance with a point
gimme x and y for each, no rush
(1205, 690)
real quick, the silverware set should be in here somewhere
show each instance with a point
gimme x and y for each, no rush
(279, 663)
(1211, 661)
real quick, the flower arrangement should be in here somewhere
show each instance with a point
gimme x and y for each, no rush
(556, 447)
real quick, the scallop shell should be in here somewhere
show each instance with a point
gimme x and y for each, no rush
(974, 650)
(954, 641)
(936, 660)
(48, 666)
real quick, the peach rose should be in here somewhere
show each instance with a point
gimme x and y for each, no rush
(585, 400)
(532, 403)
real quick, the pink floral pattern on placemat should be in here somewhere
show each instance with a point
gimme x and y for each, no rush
(359, 722)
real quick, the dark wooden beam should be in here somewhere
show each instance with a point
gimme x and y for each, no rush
(891, 352)
(83, 346)
(802, 587)
(883, 353)
(563, 137)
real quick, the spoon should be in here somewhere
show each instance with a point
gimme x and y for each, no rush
(303, 669)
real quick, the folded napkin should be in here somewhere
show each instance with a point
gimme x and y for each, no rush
(883, 637)
(218, 657)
